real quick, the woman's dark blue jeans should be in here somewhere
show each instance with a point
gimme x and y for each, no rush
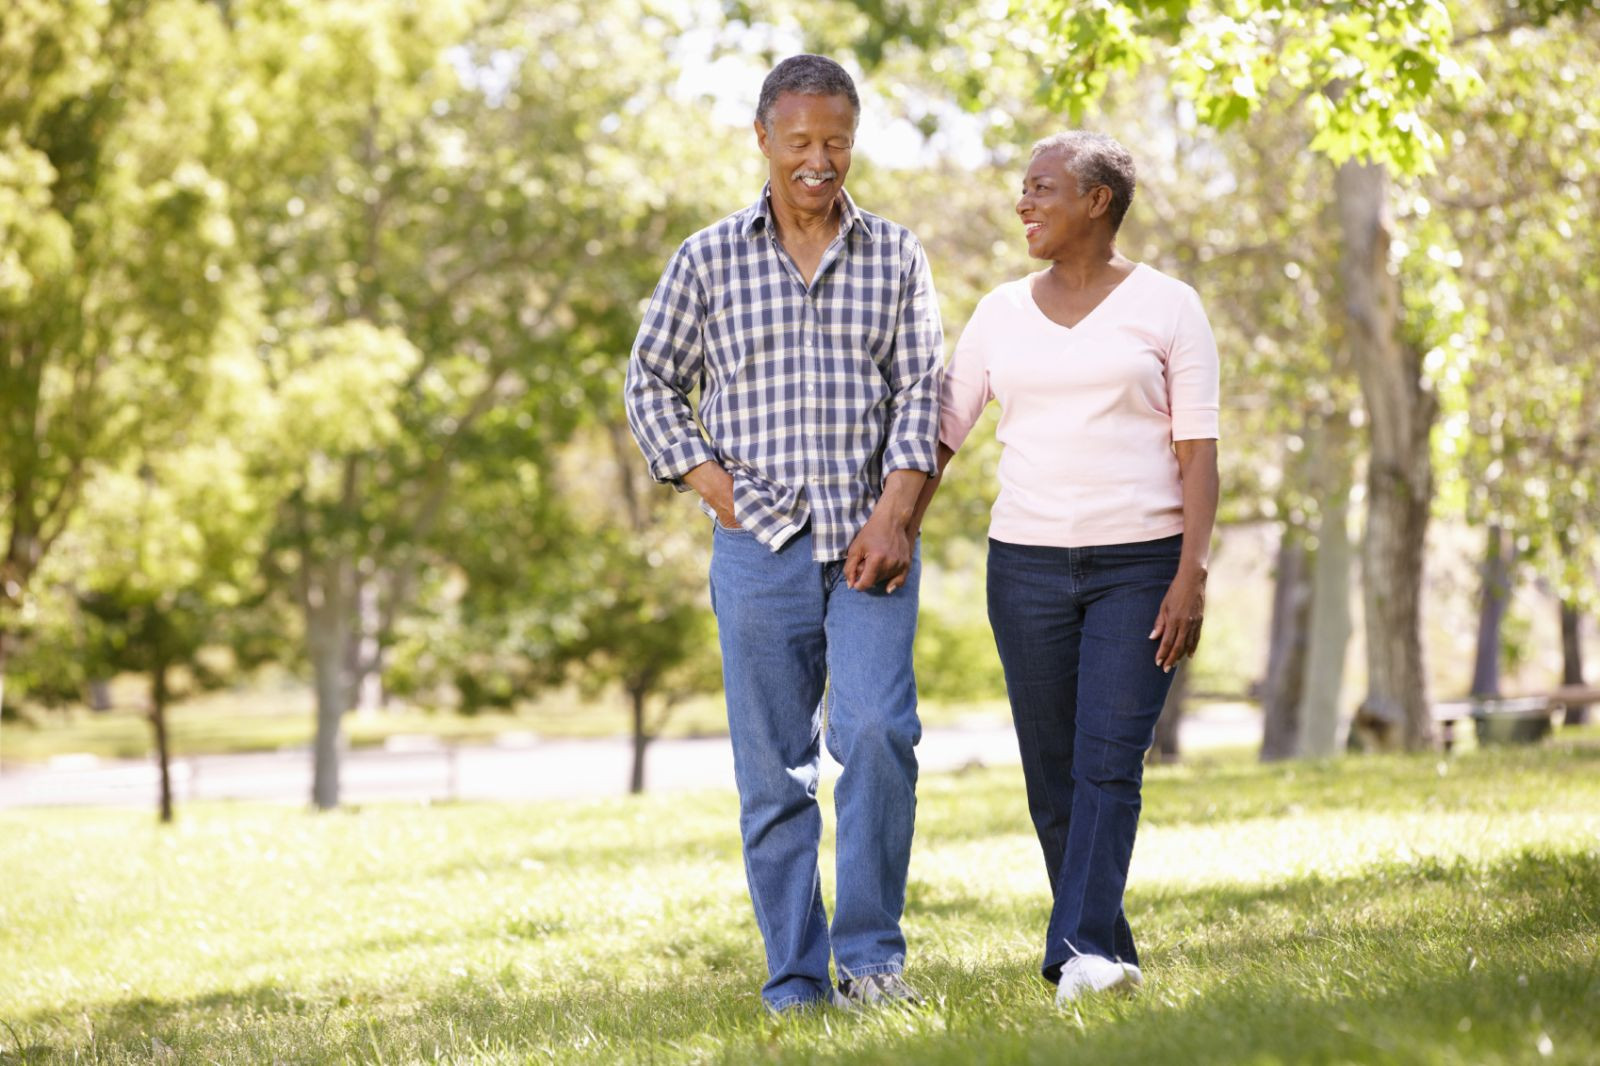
(1072, 626)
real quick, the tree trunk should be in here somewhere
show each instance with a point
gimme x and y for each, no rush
(1286, 658)
(158, 721)
(99, 694)
(328, 636)
(1400, 414)
(1328, 630)
(367, 649)
(641, 739)
(1496, 575)
(1572, 660)
(1165, 747)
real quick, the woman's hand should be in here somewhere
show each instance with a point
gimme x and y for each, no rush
(1182, 613)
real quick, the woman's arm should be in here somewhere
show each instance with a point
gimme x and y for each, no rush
(915, 523)
(1183, 609)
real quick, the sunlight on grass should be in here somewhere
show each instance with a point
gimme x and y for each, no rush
(1382, 910)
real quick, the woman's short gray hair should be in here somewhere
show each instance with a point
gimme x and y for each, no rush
(1095, 159)
(807, 75)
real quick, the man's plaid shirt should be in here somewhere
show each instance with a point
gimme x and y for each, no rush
(809, 396)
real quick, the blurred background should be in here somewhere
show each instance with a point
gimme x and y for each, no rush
(314, 318)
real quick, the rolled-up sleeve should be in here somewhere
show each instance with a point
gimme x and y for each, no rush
(1193, 374)
(662, 370)
(915, 371)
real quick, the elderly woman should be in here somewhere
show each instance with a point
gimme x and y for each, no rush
(1106, 375)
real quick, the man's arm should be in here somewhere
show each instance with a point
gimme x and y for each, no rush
(882, 550)
(662, 369)
(914, 373)
(715, 486)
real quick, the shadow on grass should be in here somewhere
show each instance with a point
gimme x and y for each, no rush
(1435, 961)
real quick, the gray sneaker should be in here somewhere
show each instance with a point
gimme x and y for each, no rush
(875, 990)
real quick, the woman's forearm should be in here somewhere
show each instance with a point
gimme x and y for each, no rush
(1197, 466)
(928, 489)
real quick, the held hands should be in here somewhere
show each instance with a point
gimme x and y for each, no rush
(881, 552)
(1178, 622)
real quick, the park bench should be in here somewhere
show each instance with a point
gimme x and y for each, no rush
(1514, 720)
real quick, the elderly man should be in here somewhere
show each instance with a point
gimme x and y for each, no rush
(812, 330)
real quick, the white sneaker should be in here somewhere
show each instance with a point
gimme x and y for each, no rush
(1084, 974)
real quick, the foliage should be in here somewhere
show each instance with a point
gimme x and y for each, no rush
(956, 660)
(1517, 205)
(118, 271)
(367, 273)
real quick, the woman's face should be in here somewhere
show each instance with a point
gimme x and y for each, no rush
(1055, 215)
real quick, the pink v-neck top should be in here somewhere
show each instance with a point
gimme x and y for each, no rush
(1088, 414)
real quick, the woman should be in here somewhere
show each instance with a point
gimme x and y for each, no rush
(1106, 375)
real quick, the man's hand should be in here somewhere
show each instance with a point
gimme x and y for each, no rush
(715, 486)
(1179, 620)
(881, 552)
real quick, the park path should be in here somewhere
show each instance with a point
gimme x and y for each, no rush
(517, 769)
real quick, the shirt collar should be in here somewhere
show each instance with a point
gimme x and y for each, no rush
(758, 216)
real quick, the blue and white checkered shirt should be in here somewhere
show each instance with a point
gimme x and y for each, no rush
(810, 396)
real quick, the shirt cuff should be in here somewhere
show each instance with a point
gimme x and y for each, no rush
(676, 460)
(910, 455)
(1198, 424)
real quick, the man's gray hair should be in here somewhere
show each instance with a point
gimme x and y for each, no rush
(1095, 159)
(807, 75)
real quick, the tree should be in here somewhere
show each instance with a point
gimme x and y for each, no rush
(1368, 76)
(443, 219)
(158, 594)
(1521, 442)
(161, 565)
(117, 260)
(645, 617)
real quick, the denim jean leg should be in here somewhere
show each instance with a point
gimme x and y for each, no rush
(1120, 693)
(769, 608)
(1037, 623)
(872, 731)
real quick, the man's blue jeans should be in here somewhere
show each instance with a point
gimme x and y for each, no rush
(1072, 626)
(790, 628)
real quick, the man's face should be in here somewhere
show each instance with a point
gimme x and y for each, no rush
(808, 150)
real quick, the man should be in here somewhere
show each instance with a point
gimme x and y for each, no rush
(812, 330)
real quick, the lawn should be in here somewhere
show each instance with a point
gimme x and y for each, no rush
(1397, 910)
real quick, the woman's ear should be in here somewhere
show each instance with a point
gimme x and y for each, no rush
(1099, 200)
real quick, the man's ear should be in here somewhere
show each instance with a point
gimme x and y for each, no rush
(761, 138)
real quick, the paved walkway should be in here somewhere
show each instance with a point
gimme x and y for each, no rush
(418, 768)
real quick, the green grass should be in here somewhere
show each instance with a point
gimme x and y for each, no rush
(1377, 910)
(271, 719)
